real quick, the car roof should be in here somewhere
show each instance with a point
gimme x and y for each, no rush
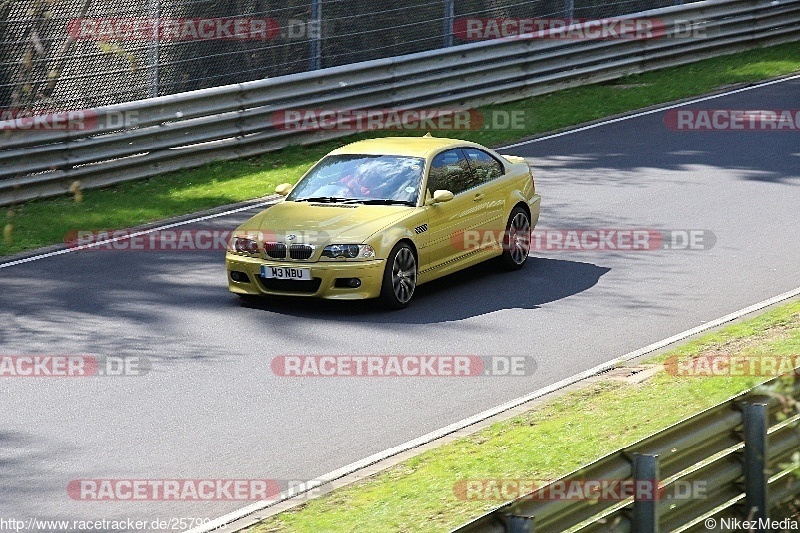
(407, 146)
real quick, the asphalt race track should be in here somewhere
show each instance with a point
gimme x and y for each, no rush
(211, 407)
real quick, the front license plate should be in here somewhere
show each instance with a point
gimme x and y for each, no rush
(285, 273)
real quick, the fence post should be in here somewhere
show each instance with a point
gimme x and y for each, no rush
(755, 465)
(645, 475)
(315, 34)
(569, 10)
(447, 26)
(153, 48)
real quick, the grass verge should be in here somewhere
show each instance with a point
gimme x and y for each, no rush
(44, 222)
(544, 443)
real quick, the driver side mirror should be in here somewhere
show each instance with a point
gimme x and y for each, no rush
(283, 189)
(442, 196)
(439, 196)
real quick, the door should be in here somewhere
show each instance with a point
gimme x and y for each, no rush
(455, 225)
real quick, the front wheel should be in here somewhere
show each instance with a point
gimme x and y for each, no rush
(399, 277)
(516, 240)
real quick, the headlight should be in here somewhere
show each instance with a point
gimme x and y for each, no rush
(244, 245)
(348, 251)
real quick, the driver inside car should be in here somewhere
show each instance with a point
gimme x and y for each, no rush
(361, 184)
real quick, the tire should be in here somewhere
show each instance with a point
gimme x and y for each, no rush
(516, 240)
(399, 277)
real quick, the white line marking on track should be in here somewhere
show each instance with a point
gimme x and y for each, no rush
(649, 112)
(134, 234)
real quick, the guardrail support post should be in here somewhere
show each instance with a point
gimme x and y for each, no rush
(447, 26)
(315, 34)
(519, 524)
(755, 464)
(645, 478)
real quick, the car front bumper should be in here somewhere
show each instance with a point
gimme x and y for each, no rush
(323, 273)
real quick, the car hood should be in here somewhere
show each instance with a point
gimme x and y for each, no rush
(314, 223)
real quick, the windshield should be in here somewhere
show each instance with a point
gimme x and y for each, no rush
(362, 179)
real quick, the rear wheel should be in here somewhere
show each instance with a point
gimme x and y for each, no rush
(399, 277)
(516, 240)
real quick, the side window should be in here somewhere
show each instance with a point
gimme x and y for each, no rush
(486, 167)
(450, 172)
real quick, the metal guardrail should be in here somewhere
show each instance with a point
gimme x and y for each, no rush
(738, 449)
(190, 129)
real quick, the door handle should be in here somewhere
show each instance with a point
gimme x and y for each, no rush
(478, 197)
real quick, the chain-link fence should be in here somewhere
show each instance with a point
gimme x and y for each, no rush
(73, 54)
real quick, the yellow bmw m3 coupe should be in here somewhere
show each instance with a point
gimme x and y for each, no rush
(377, 218)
